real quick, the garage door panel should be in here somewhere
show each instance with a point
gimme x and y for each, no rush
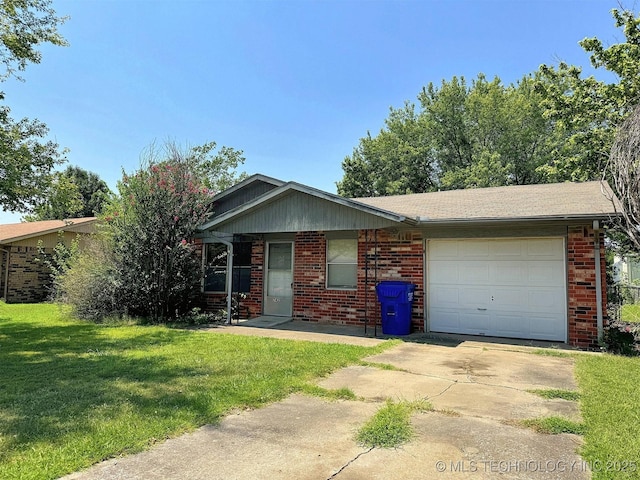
(478, 250)
(444, 272)
(507, 249)
(544, 326)
(550, 273)
(509, 324)
(474, 322)
(474, 273)
(545, 248)
(474, 297)
(509, 298)
(444, 250)
(446, 320)
(460, 321)
(546, 300)
(520, 282)
(445, 296)
(509, 273)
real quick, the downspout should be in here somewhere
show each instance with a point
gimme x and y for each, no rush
(366, 280)
(598, 261)
(425, 296)
(6, 274)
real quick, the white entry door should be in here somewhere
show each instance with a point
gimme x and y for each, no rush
(278, 288)
(498, 287)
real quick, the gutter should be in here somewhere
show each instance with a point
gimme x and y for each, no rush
(549, 218)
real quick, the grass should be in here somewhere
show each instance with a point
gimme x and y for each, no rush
(552, 393)
(554, 425)
(74, 393)
(610, 400)
(390, 427)
(630, 313)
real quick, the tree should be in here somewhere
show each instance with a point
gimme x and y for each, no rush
(624, 169)
(397, 161)
(25, 25)
(148, 263)
(25, 161)
(585, 111)
(486, 134)
(74, 192)
(154, 221)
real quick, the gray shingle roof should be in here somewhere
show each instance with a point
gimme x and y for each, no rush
(553, 200)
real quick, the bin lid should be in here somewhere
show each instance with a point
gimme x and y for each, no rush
(394, 288)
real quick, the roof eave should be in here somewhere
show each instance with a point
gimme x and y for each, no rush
(538, 218)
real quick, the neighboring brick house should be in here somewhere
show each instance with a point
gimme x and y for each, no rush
(515, 262)
(24, 279)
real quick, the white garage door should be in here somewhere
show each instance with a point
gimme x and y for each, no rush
(498, 287)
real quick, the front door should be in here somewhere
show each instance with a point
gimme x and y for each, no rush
(278, 288)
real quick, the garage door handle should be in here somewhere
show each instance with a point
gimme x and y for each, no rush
(481, 308)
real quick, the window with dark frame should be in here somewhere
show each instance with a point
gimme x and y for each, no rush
(215, 269)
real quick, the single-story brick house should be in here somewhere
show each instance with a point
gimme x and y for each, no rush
(515, 261)
(23, 278)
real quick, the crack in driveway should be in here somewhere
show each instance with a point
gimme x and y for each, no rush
(350, 462)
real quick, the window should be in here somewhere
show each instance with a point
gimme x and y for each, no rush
(215, 271)
(342, 263)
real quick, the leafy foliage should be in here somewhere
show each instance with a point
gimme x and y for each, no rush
(145, 262)
(622, 338)
(91, 283)
(74, 192)
(58, 261)
(481, 135)
(25, 25)
(25, 160)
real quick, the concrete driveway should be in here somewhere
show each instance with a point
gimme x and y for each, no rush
(477, 389)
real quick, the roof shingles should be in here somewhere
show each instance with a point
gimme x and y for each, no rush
(12, 232)
(553, 200)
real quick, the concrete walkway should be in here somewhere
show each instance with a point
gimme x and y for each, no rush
(478, 390)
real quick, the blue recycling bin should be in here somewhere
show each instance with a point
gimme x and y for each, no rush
(396, 300)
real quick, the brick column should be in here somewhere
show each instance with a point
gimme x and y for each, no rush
(581, 277)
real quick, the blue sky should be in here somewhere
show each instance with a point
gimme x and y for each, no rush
(294, 84)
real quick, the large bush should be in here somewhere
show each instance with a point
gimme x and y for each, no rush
(145, 263)
(91, 283)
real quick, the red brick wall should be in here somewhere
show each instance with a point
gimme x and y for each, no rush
(581, 273)
(401, 257)
(397, 260)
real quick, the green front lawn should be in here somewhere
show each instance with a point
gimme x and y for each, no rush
(610, 404)
(74, 393)
(630, 313)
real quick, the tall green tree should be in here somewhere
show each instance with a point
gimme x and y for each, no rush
(26, 159)
(461, 136)
(585, 111)
(73, 192)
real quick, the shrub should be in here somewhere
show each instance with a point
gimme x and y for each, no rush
(622, 338)
(91, 284)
